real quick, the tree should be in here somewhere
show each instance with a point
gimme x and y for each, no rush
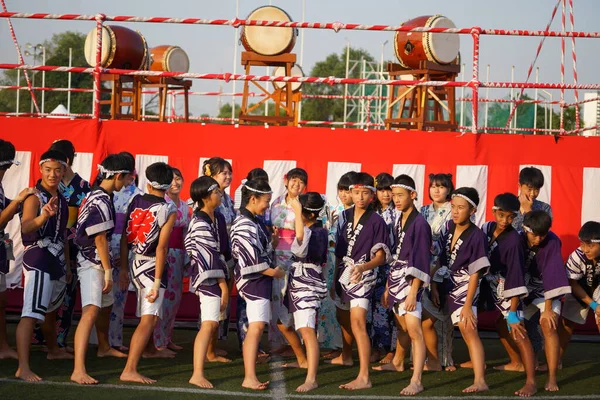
(57, 53)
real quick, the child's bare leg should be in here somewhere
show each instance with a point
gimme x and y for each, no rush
(102, 326)
(292, 338)
(345, 358)
(89, 315)
(565, 331)
(213, 354)
(552, 349)
(402, 348)
(358, 320)
(515, 364)
(477, 355)
(203, 339)
(55, 352)
(528, 356)
(415, 331)
(139, 341)
(250, 352)
(5, 350)
(24, 333)
(431, 342)
(312, 355)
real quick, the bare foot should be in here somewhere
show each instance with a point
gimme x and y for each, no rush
(307, 387)
(432, 366)
(8, 353)
(527, 391)
(122, 349)
(510, 367)
(59, 354)
(263, 358)
(27, 375)
(412, 389)
(174, 347)
(295, 364)
(339, 360)
(69, 349)
(83, 379)
(375, 355)
(288, 353)
(217, 359)
(469, 365)
(476, 387)
(544, 367)
(110, 353)
(357, 384)
(332, 354)
(450, 368)
(255, 384)
(136, 377)
(551, 386)
(164, 353)
(387, 359)
(222, 353)
(280, 350)
(200, 381)
(389, 367)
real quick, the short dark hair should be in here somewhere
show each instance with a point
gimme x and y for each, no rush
(507, 202)
(54, 155)
(199, 189)
(531, 176)
(297, 173)
(66, 147)
(444, 180)
(405, 180)
(160, 173)
(177, 172)
(362, 178)
(384, 181)
(7, 153)
(314, 201)
(589, 231)
(346, 180)
(470, 193)
(257, 173)
(215, 165)
(130, 160)
(257, 184)
(538, 221)
(115, 162)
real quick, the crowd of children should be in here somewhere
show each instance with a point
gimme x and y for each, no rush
(373, 270)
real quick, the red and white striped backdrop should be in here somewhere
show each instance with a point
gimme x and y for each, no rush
(490, 163)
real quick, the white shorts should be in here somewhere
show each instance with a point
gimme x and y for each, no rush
(305, 318)
(284, 316)
(91, 280)
(210, 308)
(540, 305)
(362, 303)
(437, 313)
(2, 283)
(400, 311)
(574, 311)
(456, 314)
(41, 295)
(144, 307)
(258, 311)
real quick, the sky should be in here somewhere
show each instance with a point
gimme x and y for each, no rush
(211, 48)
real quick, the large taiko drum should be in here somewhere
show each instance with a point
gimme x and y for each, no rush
(413, 47)
(168, 58)
(122, 48)
(296, 71)
(268, 41)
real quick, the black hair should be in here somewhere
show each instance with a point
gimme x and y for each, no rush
(531, 176)
(383, 181)
(7, 153)
(538, 221)
(297, 173)
(199, 190)
(115, 162)
(405, 180)
(346, 180)
(362, 178)
(160, 173)
(444, 180)
(257, 184)
(314, 201)
(66, 147)
(257, 173)
(470, 193)
(215, 165)
(54, 155)
(589, 231)
(131, 165)
(177, 172)
(507, 202)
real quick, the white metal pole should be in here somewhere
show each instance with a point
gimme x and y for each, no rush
(235, 52)
(302, 53)
(512, 94)
(487, 96)
(380, 91)
(346, 85)
(462, 95)
(18, 90)
(143, 106)
(43, 76)
(535, 105)
(69, 84)
(269, 73)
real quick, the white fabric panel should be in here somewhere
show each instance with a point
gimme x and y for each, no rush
(546, 190)
(475, 176)
(417, 172)
(590, 209)
(142, 161)
(276, 169)
(335, 170)
(16, 179)
(82, 164)
(201, 173)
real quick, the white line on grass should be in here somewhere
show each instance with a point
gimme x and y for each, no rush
(216, 392)
(277, 384)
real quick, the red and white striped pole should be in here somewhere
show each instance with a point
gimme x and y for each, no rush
(562, 68)
(572, 18)
(98, 67)
(475, 83)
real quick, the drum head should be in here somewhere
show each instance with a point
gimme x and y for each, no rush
(90, 46)
(177, 60)
(296, 71)
(268, 41)
(441, 48)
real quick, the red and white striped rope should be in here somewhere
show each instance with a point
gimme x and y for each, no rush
(574, 53)
(562, 66)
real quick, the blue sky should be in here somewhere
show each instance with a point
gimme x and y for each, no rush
(211, 48)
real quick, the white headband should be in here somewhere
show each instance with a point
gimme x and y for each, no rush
(399, 185)
(496, 208)
(359, 186)
(595, 240)
(53, 159)
(159, 186)
(10, 162)
(527, 229)
(313, 209)
(462, 196)
(257, 191)
(108, 173)
(212, 187)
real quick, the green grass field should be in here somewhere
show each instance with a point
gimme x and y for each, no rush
(579, 378)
